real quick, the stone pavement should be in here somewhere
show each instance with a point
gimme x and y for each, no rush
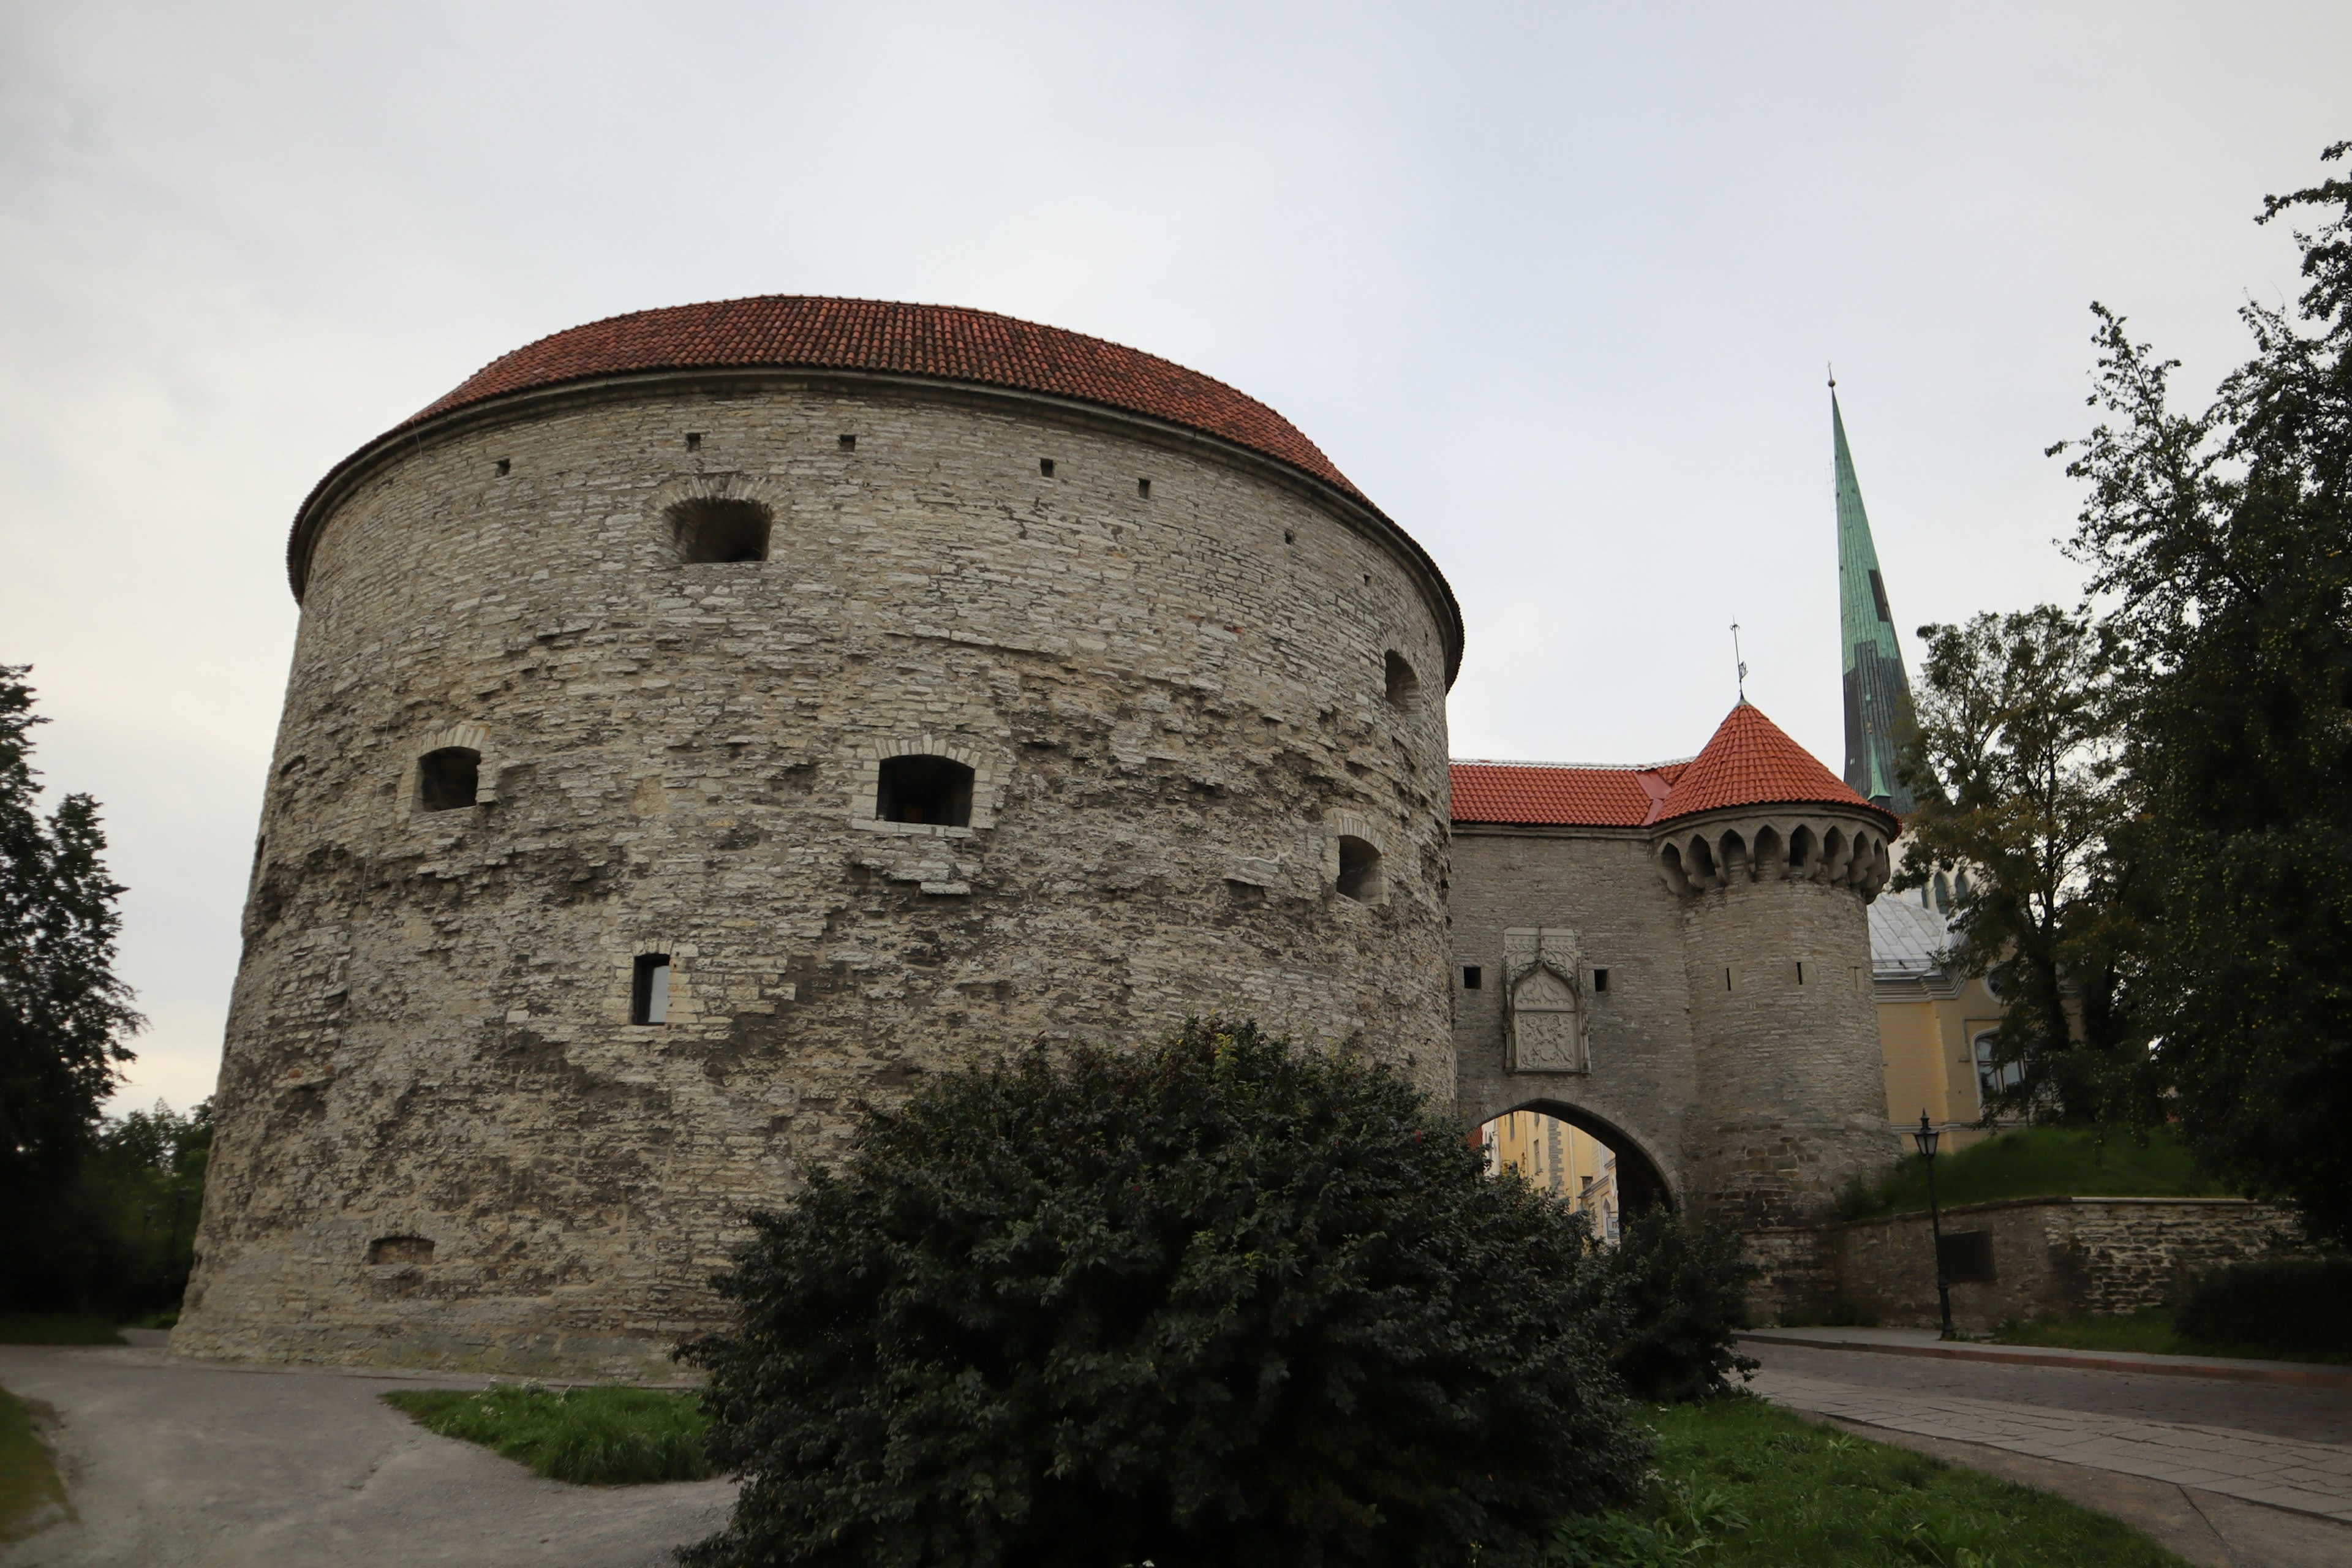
(171, 1464)
(2189, 1443)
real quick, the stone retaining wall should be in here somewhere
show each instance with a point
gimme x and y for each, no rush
(2052, 1256)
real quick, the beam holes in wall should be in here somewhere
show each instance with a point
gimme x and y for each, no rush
(1359, 869)
(1404, 685)
(936, 790)
(400, 1249)
(649, 989)
(1045, 467)
(849, 443)
(505, 466)
(449, 778)
(1473, 977)
(719, 531)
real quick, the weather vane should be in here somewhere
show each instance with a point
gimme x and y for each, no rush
(1741, 662)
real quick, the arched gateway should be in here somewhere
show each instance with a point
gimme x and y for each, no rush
(1676, 959)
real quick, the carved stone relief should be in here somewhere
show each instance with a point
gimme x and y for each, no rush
(1543, 970)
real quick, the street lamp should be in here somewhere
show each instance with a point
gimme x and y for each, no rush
(1929, 1137)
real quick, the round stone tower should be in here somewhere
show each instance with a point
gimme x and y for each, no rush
(1774, 859)
(706, 722)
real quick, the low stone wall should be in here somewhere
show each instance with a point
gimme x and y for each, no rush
(2069, 1257)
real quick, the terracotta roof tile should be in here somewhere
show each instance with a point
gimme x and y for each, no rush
(949, 342)
(1751, 762)
(1556, 796)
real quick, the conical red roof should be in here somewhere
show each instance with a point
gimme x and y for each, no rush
(1750, 761)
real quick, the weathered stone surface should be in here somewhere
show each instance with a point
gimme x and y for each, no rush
(2063, 1256)
(1173, 706)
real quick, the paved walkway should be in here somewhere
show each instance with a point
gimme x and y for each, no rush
(2283, 1448)
(176, 1464)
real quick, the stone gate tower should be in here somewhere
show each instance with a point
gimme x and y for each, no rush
(707, 719)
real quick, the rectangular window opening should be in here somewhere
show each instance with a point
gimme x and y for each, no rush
(1599, 980)
(1472, 976)
(849, 443)
(694, 441)
(506, 466)
(649, 989)
(1045, 467)
(1143, 489)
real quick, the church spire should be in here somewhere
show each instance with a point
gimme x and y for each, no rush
(1877, 691)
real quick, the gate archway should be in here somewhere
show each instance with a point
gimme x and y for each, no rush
(1634, 1181)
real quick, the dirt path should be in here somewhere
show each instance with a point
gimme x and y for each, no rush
(175, 1464)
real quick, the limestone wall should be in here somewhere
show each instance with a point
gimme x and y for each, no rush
(2052, 1256)
(1173, 704)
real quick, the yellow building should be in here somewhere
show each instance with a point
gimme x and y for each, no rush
(1935, 1024)
(1559, 1159)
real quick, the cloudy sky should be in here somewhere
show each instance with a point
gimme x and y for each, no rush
(1554, 283)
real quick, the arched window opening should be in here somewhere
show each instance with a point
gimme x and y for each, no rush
(649, 989)
(933, 790)
(717, 531)
(1404, 685)
(449, 778)
(1359, 869)
(400, 1249)
(1943, 905)
(1801, 849)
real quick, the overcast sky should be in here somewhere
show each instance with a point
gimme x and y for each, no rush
(1554, 284)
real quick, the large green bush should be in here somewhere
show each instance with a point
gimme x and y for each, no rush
(1214, 1302)
(2279, 1304)
(1669, 1299)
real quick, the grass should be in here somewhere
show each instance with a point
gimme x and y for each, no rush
(2041, 1163)
(28, 1481)
(33, 1329)
(2150, 1332)
(1741, 1485)
(590, 1436)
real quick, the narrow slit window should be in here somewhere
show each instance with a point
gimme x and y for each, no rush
(649, 989)
(1801, 972)
(1600, 981)
(933, 790)
(1045, 467)
(1143, 489)
(1473, 977)
(448, 779)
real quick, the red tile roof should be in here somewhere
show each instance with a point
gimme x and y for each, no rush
(1557, 795)
(1750, 761)
(942, 342)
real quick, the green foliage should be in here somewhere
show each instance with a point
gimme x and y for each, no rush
(64, 1018)
(52, 1329)
(589, 1436)
(30, 1493)
(2043, 1163)
(2153, 1331)
(2288, 1306)
(2014, 758)
(2223, 539)
(149, 1171)
(1741, 1485)
(1670, 1298)
(1212, 1300)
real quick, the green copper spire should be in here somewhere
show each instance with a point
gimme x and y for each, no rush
(1877, 691)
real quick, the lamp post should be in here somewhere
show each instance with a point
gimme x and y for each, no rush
(1929, 1137)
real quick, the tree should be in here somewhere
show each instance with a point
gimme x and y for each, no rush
(2224, 541)
(64, 1016)
(1212, 1300)
(2015, 761)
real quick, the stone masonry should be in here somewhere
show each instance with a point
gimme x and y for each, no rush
(1170, 665)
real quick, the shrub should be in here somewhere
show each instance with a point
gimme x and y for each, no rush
(2281, 1304)
(1671, 1298)
(1212, 1301)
